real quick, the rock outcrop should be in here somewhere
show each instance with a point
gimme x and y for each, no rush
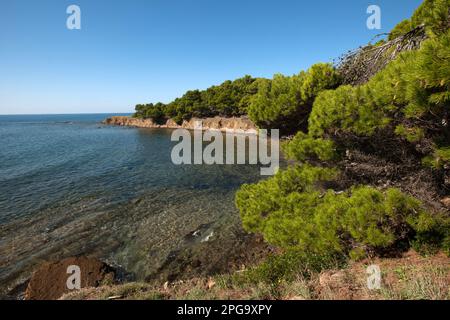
(49, 281)
(234, 124)
(131, 122)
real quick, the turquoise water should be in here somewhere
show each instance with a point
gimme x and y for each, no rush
(70, 185)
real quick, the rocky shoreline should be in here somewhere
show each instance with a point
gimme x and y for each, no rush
(233, 125)
(49, 279)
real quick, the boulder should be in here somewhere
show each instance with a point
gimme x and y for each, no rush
(49, 281)
(446, 202)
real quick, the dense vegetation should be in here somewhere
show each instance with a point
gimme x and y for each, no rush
(293, 211)
(313, 206)
(411, 96)
(231, 98)
(285, 102)
(405, 107)
(431, 13)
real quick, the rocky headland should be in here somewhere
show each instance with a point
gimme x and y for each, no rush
(234, 124)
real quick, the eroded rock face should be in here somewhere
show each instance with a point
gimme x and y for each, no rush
(171, 124)
(132, 122)
(235, 124)
(49, 281)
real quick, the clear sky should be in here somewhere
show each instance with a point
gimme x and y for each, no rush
(139, 51)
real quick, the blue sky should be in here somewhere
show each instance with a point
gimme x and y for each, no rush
(138, 51)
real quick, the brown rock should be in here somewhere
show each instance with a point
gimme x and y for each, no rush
(171, 124)
(233, 124)
(130, 122)
(49, 282)
(446, 202)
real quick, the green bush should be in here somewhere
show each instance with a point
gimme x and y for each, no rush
(292, 212)
(414, 87)
(277, 102)
(400, 29)
(319, 77)
(438, 159)
(285, 102)
(156, 112)
(428, 79)
(434, 14)
(413, 134)
(272, 191)
(231, 98)
(347, 109)
(304, 147)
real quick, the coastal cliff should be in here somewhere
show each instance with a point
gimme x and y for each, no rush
(234, 124)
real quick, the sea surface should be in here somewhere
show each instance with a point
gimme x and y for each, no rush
(70, 185)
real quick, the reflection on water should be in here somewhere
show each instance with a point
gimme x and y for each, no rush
(71, 186)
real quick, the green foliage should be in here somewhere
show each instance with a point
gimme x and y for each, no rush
(319, 77)
(438, 159)
(434, 234)
(413, 134)
(434, 14)
(414, 86)
(346, 109)
(400, 29)
(304, 147)
(428, 79)
(231, 98)
(293, 180)
(153, 111)
(357, 254)
(277, 101)
(285, 102)
(292, 212)
(379, 219)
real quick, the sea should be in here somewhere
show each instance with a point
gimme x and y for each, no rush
(70, 186)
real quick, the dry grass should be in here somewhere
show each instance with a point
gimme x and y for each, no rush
(410, 277)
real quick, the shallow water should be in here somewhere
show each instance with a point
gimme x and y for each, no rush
(70, 185)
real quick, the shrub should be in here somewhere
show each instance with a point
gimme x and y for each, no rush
(304, 147)
(285, 102)
(277, 102)
(434, 14)
(292, 212)
(231, 98)
(400, 29)
(345, 109)
(413, 134)
(428, 79)
(258, 200)
(319, 77)
(413, 90)
(438, 159)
